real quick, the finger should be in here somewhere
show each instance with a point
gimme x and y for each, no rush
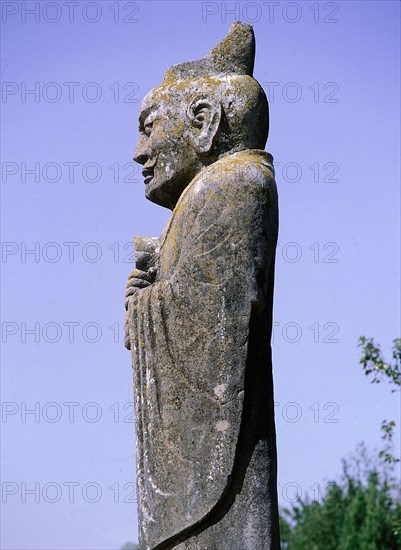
(138, 274)
(127, 301)
(136, 283)
(130, 292)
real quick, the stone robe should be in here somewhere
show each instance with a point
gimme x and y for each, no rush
(200, 342)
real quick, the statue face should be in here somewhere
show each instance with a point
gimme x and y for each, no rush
(164, 148)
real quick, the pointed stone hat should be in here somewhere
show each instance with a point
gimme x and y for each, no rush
(234, 55)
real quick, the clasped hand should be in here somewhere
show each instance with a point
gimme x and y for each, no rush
(138, 280)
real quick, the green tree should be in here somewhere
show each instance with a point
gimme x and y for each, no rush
(356, 513)
(374, 364)
(361, 511)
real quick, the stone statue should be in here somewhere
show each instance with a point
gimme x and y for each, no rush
(199, 309)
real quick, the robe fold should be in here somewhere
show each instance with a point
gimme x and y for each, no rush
(200, 343)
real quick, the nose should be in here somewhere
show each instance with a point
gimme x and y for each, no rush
(141, 154)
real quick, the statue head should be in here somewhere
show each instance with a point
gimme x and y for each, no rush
(201, 112)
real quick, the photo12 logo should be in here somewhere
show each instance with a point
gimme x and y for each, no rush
(71, 492)
(69, 92)
(67, 412)
(70, 171)
(68, 252)
(69, 12)
(271, 12)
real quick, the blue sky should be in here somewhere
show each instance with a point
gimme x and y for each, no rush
(73, 196)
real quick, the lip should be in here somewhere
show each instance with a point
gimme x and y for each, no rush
(148, 171)
(148, 174)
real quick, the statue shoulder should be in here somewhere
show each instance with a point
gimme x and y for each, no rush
(249, 172)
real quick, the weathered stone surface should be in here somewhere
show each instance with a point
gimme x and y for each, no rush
(199, 306)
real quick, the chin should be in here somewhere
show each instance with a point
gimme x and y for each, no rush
(158, 193)
(152, 189)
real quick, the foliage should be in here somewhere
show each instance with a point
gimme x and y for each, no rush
(387, 452)
(373, 362)
(362, 511)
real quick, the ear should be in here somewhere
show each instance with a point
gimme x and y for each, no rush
(204, 115)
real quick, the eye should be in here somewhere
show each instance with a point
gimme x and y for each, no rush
(148, 128)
